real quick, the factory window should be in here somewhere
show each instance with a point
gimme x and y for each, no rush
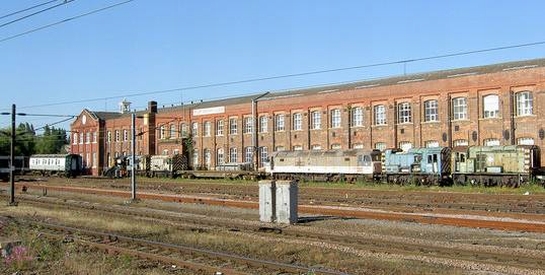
(165, 152)
(431, 110)
(263, 155)
(207, 158)
(183, 130)
(94, 161)
(336, 118)
(405, 145)
(316, 147)
(491, 106)
(525, 141)
(233, 126)
(335, 146)
(357, 116)
(279, 148)
(279, 126)
(195, 129)
(75, 138)
(172, 131)
(88, 137)
(219, 128)
(220, 158)
(524, 103)
(316, 117)
(109, 136)
(460, 142)
(380, 114)
(263, 124)
(404, 112)
(162, 132)
(491, 142)
(297, 121)
(432, 143)
(358, 146)
(380, 146)
(297, 147)
(233, 154)
(459, 108)
(176, 152)
(196, 158)
(248, 125)
(81, 138)
(95, 134)
(116, 135)
(207, 128)
(248, 154)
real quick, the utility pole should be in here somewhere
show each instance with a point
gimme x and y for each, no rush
(133, 157)
(12, 159)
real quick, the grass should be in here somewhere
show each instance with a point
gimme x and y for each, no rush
(51, 257)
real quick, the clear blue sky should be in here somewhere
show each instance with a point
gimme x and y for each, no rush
(146, 46)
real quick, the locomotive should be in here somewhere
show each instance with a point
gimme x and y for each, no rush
(330, 165)
(511, 165)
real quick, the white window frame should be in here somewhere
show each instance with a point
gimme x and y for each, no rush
(404, 113)
(432, 143)
(491, 106)
(172, 134)
(219, 127)
(233, 154)
(525, 141)
(248, 154)
(263, 124)
(207, 131)
(357, 116)
(524, 103)
(336, 118)
(460, 142)
(459, 108)
(233, 126)
(297, 122)
(220, 156)
(248, 125)
(280, 122)
(431, 110)
(405, 145)
(195, 129)
(379, 113)
(491, 142)
(316, 119)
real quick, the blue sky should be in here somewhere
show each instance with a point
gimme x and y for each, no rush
(138, 49)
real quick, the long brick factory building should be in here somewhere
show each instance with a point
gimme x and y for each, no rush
(500, 104)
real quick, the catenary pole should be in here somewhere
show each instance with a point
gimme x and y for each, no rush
(12, 159)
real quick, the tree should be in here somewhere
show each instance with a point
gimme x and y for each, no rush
(28, 143)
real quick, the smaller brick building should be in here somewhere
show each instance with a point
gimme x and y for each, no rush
(499, 104)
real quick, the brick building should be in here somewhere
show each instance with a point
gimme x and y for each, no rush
(499, 104)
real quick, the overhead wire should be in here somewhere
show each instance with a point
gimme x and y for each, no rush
(27, 9)
(35, 13)
(250, 80)
(64, 21)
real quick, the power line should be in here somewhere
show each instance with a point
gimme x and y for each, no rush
(404, 61)
(34, 13)
(64, 21)
(27, 9)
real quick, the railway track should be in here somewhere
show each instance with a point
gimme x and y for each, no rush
(488, 257)
(528, 222)
(201, 261)
(423, 201)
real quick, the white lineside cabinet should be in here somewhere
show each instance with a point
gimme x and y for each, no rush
(286, 202)
(267, 200)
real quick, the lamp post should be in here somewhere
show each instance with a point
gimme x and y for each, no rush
(254, 130)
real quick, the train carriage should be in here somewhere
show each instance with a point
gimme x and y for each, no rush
(68, 165)
(331, 165)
